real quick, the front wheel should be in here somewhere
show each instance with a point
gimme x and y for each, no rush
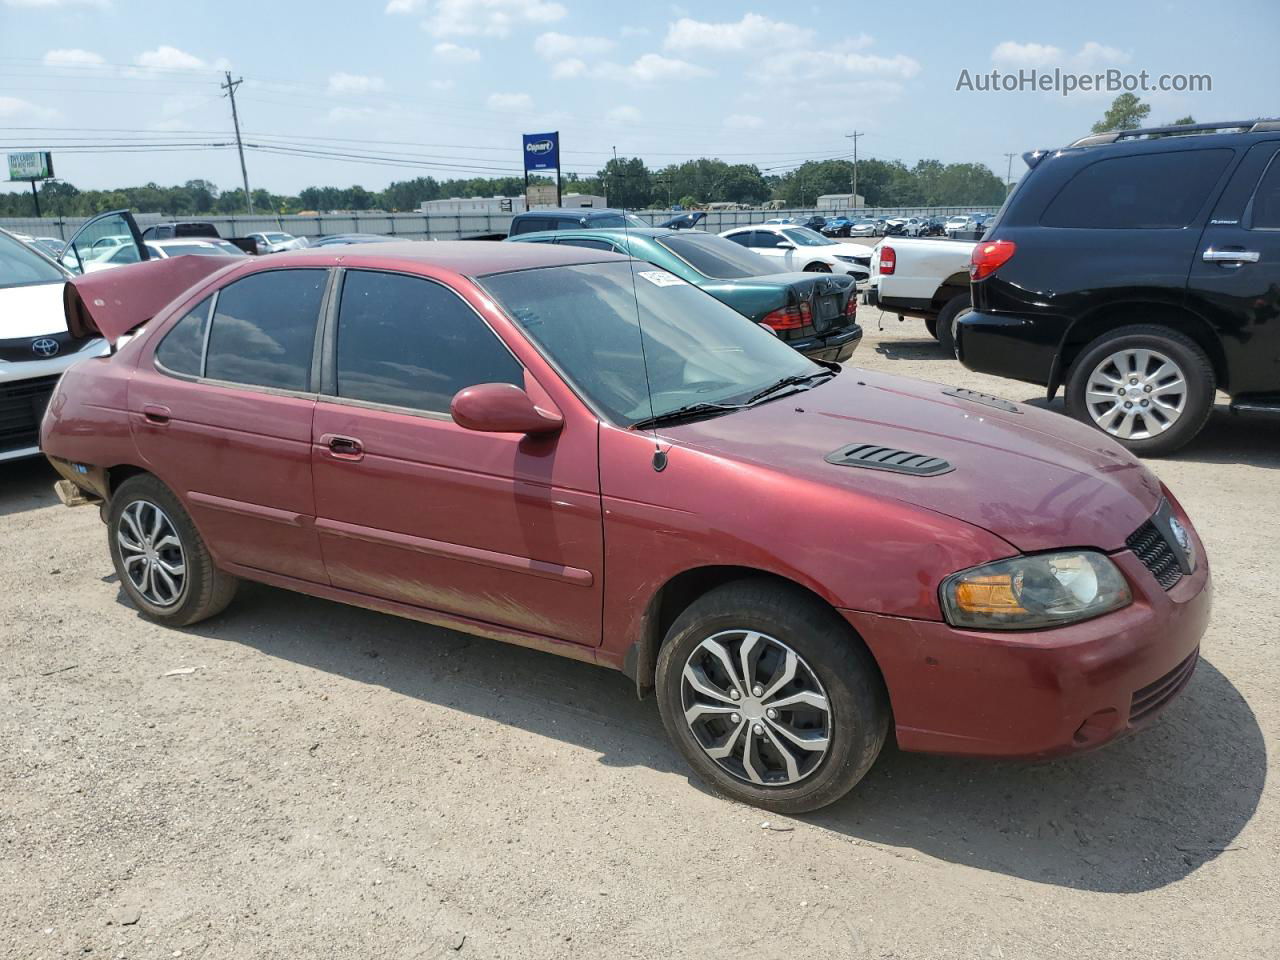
(817, 268)
(771, 697)
(1147, 387)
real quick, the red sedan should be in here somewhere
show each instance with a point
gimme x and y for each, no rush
(568, 450)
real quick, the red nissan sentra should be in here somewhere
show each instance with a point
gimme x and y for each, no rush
(568, 450)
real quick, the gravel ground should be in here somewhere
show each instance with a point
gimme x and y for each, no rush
(321, 781)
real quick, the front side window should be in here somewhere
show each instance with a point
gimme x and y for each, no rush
(1143, 192)
(589, 319)
(410, 342)
(182, 349)
(717, 257)
(264, 328)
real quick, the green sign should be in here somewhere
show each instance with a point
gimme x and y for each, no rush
(31, 166)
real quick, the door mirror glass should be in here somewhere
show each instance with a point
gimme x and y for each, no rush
(502, 408)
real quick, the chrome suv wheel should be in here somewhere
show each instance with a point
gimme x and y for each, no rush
(1136, 394)
(756, 708)
(151, 553)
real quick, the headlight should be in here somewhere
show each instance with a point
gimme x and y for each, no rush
(846, 259)
(1025, 593)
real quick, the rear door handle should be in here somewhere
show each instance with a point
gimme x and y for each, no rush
(155, 413)
(343, 448)
(1230, 256)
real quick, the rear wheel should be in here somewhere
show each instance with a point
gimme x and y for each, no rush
(160, 558)
(931, 324)
(1148, 387)
(945, 325)
(771, 697)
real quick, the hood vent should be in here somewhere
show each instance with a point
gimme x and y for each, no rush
(874, 457)
(984, 398)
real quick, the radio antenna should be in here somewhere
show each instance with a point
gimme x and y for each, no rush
(659, 457)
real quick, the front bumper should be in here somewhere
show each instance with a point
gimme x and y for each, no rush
(25, 388)
(837, 348)
(1041, 693)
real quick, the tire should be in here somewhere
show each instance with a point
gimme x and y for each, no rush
(1153, 360)
(817, 268)
(832, 668)
(143, 521)
(931, 324)
(945, 325)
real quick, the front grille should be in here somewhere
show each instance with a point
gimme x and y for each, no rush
(1154, 696)
(1156, 554)
(22, 406)
(23, 348)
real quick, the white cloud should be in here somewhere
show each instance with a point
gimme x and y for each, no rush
(1099, 53)
(554, 46)
(863, 64)
(623, 114)
(568, 69)
(1026, 54)
(341, 84)
(510, 102)
(453, 53)
(752, 32)
(834, 65)
(72, 57)
(651, 68)
(743, 121)
(171, 58)
(14, 108)
(492, 18)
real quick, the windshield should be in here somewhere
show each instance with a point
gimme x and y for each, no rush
(718, 257)
(804, 237)
(21, 266)
(696, 349)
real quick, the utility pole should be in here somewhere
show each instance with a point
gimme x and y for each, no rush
(1008, 179)
(230, 87)
(35, 197)
(854, 137)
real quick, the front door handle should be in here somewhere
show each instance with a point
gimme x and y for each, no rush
(1230, 256)
(155, 413)
(343, 448)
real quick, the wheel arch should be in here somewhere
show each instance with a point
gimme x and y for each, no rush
(675, 596)
(953, 286)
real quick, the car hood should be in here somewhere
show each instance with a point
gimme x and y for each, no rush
(1035, 478)
(31, 311)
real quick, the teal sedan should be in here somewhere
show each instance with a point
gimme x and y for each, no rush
(816, 313)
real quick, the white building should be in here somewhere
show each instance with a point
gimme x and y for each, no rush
(463, 206)
(583, 200)
(841, 201)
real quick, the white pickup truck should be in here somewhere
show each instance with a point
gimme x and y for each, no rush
(922, 277)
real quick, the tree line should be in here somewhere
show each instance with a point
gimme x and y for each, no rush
(627, 182)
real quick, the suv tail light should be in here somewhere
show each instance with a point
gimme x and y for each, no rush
(987, 258)
(888, 261)
(789, 318)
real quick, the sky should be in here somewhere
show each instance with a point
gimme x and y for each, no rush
(127, 92)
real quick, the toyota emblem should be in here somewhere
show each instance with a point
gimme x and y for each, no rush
(45, 347)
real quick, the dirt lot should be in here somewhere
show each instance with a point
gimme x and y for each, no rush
(330, 782)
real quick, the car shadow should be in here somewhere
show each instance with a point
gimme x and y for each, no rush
(924, 349)
(1251, 439)
(26, 485)
(1135, 816)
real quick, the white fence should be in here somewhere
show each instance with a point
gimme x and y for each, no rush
(436, 226)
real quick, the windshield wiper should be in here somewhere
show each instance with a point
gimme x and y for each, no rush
(788, 382)
(689, 411)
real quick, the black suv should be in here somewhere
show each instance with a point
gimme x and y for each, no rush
(1142, 270)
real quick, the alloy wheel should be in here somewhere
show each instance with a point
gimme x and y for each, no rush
(756, 708)
(1136, 393)
(151, 553)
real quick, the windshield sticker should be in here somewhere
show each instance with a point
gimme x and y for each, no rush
(660, 278)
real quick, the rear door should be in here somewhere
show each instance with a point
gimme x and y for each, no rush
(496, 527)
(222, 409)
(1235, 272)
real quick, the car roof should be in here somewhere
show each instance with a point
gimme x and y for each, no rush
(570, 213)
(651, 232)
(464, 257)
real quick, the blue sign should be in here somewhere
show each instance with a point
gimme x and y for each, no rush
(541, 151)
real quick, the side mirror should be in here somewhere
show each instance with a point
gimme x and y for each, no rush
(785, 245)
(502, 408)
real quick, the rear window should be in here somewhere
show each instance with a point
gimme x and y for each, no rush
(1146, 192)
(718, 257)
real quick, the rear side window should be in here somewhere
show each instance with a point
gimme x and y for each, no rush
(588, 242)
(182, 349)
(1145, 192)
(1265, 213)
(410, 342)
(531, 225)
(264, 329)
(718, 257)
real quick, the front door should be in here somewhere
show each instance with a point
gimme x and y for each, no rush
(500, 528)
(109, 238)
(222, 411)
(1235, 276)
